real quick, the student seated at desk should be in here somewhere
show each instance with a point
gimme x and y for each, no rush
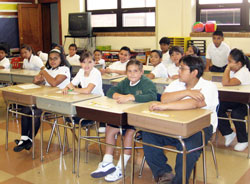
(217, 53)
(4, 62)
(193, 50)
(98, 58)
(73, 58)
(190, 91)
(43, 55)
(55, 74)
(164, 45)
(236, 73)
(30, 61)
(119, 67)
(159, 70)
(176, 54)
(135, 88)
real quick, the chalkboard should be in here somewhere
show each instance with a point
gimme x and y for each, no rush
(9, 31)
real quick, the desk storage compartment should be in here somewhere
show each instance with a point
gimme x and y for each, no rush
(19, 98)
(55, 106)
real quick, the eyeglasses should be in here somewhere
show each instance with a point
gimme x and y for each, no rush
(181, 68)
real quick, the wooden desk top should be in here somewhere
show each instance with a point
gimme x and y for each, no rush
(5, 71)
(147, 68)
(156, 81)
(212, 76)
(111, 77)
(235, 89)
(24, 72)
(105, 104)
(183, 122)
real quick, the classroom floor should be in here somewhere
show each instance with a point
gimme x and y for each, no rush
(19, 168)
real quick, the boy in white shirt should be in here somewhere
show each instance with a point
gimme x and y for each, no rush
(73, 58)
(4, 62)
(190, 91)
(217, 53)
(119, 67)
(98, 58)
(164, 44)
(176, 54)
(159, 70)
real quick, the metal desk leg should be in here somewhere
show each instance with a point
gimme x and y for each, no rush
(33, 133)
(7, 126)
(204, 157)
(73, 143)
(133, 159)
(184, 159)
(41, 134)
(79, 146)
(122, 157)
(248, 126)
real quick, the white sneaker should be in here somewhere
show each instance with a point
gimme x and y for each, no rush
(102, 129)
(241, 146)
(229, 138)
(116, 175)
(103, 169)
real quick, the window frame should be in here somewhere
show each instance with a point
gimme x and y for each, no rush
(119, 12)
(244, 15)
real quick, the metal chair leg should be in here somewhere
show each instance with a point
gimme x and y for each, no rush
(86, 143)
(142, 166)
(99, 145)
(214, 158)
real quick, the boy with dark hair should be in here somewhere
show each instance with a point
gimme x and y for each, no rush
(4, 62)
(217, 53)
(190, 91)
(73, 58)
(164, 45)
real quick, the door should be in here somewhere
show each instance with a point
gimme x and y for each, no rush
(30, 25)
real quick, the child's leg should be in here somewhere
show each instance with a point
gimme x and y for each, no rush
(110, 138)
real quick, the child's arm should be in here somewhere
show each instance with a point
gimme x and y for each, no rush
(208, 63)
(69, 87)
(38, 79)
(120, 72)
(51, 80)
(226, 80)
(174, 77)
(178, 105)
(169, 97)
(86, 90)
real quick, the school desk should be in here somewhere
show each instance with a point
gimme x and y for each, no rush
(177, 124)
(213, 76)
(22, 94)
(105, 110)
(23, 75)
(108, 77)
(5, 75)
(240, 94)
(60, 104)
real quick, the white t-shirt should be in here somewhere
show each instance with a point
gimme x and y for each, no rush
(243, 75)
(118, 65)
(160, 71)
(166, 59)
(208, 89)
(61, 70)
(5, 62)
(218, 55)
(173, 70)
(35, 63)
(102, 62)
(43, 56)
(74, 59)
(94, 77)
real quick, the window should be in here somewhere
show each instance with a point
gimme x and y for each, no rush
(122, 15)
(230, 15)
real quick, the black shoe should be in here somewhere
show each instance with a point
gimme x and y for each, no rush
(16, 141)
(25, 145)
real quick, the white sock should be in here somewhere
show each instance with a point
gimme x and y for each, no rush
(126, 158)
(24, 137)
(108, 158)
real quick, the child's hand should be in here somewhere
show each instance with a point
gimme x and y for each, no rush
(125, 98)
(65, 90)
(103, 71)
(108, 70)
(38, 78)
(158, 106)
(196, 94)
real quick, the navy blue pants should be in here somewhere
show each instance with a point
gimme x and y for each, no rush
(217, 69)
(157, 160)
(239, 111)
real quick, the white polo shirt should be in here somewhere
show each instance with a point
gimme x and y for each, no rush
(166, 59)
(173, 70)
(102, 62)
(61, 70)
(208, 89)
(5, 62)
(118, 65)
(94, 77)
(43, 56)
(218, 55)
(243, 75)
(35, 63)
(160, 71)
(74, 59)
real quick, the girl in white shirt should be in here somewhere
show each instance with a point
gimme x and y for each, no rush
(236, 73)
(159, 70)
(4, 62)
(98, 58)
(56, 74)
(30, 61)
